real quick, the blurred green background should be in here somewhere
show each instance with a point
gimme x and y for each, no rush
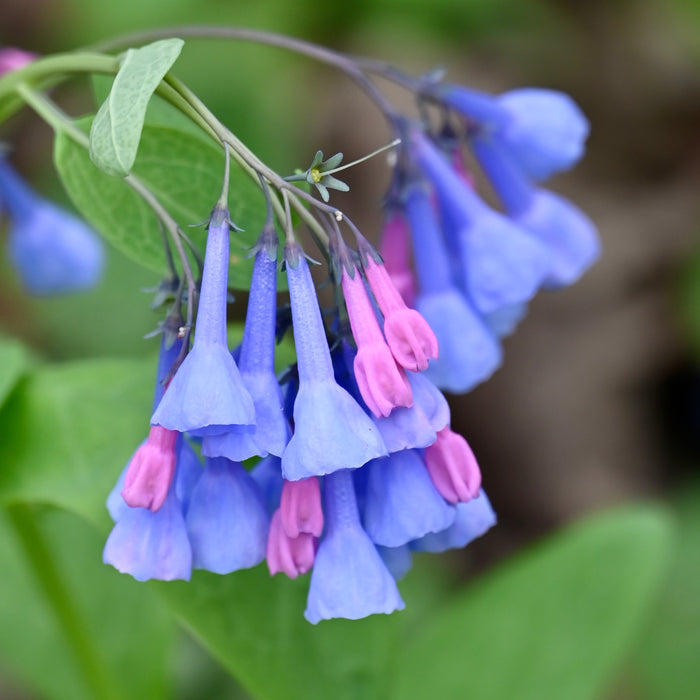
(598, 402)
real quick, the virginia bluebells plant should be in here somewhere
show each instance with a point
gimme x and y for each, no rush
(344, 464)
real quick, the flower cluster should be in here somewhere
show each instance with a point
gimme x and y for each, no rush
(360, 467)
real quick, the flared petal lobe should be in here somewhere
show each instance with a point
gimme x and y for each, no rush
(474, 518)
(401, 502)
(150, 545)
(349, 578)
(227, 521)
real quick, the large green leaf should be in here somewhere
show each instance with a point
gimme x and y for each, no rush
(68, 430)
(666, 663)
(185, 173)
(552, 623)
(116, 129)
(130, 632)
(254, 626)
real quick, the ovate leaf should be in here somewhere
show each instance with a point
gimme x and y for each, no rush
(116, 130)
(185, 173)
(553, 623)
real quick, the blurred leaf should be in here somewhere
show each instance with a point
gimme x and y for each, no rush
(552, 623)
(254, 625)
(185, 173)
(116, 129)
(14, 360)
(666, 663)
(131, 631)
(68, 431)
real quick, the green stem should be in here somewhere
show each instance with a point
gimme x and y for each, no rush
(69, 617)
(61, 123)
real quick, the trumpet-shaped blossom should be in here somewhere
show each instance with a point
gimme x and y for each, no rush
(395, 249)
(401, 503)
(300, 507)
(331, 430)
(207, 395)
(382, 383)
(227, 521)
(53, 251)
(151, 470)
(453, 467)
(270, 432)
(469, 353)
(289, 555)
(565, 230)
(150, 545)
(474, 518)
(408, 334)
(499, 264)
(349, 578)
(544, 130)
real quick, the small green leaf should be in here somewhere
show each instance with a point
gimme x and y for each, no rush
(185, 173)
(116, 130)
(553, 623)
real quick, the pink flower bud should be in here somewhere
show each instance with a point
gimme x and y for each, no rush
(410, 338)
(14, 59)
(453, 467)
(382, 383)
(300, 507)
(290, 555)
(151, 470)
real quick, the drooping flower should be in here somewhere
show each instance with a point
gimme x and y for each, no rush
(207, 396)
(401, 502)
(499, 264)
(227, 521)
(270, 432)
(331, 431)
(469, 353)
(382, 383)
(565, 230)
(544, 130)
(53, 251)
(349, 578)
(474, 518)
(150, 545)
